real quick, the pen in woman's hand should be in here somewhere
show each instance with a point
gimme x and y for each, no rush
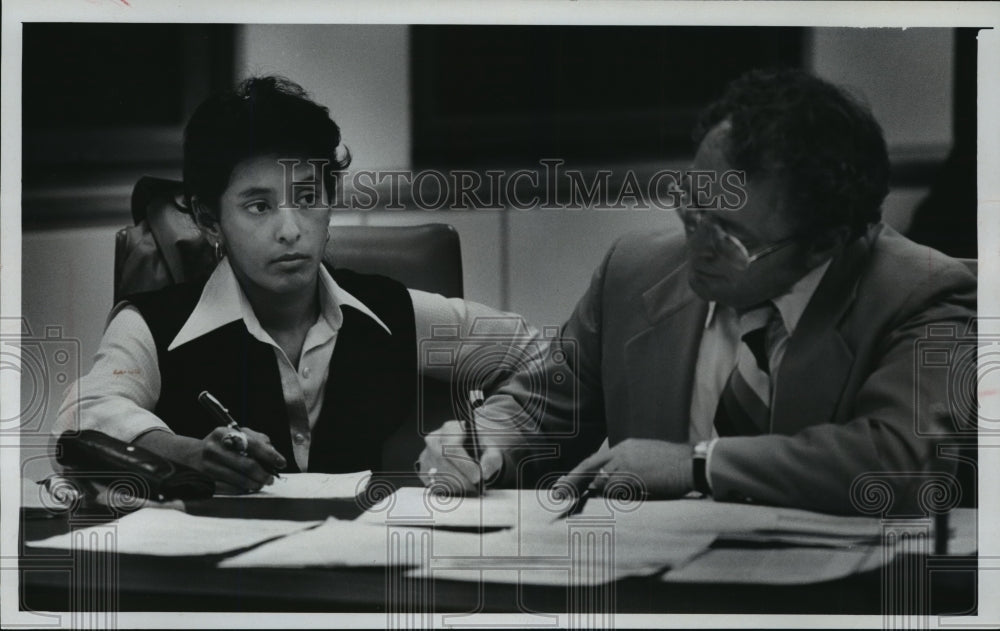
(235, 440)
(476, 400)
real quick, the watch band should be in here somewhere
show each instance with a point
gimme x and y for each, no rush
(699, 462)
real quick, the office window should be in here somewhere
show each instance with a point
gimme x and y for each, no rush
(81, 82)
(103, 104)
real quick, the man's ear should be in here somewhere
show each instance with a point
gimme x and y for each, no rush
(826, 245)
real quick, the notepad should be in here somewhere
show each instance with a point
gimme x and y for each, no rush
(314, 486)
(168, 532)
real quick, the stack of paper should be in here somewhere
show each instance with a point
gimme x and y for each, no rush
(565, 553)
(571, 552)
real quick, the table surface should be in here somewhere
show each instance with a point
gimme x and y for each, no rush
(148, 583)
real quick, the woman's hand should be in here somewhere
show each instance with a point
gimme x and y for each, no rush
(233, 472)
(445, 462)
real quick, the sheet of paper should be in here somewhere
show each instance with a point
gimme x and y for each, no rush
(37, 495)
(498, 508)
(776, 566)
(964, 531)
(168, 532)
(727, 518)
(314, 486)
(357, 544)
(567, 552)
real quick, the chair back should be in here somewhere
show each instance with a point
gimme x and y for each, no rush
(426, 257)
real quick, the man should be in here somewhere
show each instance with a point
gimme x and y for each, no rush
(768, 353)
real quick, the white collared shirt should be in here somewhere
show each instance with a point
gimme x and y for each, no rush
(118, 395)
(717, 354)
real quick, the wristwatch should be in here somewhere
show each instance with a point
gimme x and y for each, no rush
(699, 460)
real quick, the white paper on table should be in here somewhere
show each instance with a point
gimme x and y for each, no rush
(963, 538)
(497, 508)
(541, 551)
(778, 566)
(568, 552)
(737, 521)
(314, 486)
(168, 532)
(357, 544)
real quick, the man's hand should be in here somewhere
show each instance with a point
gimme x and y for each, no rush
(663, 468)
(233, 472)
(444, 461)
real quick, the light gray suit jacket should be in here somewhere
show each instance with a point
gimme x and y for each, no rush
(851, 395)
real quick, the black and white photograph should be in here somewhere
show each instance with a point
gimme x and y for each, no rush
(542, 314)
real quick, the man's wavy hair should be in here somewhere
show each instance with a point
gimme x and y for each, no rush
(823, 145)
(261, 116)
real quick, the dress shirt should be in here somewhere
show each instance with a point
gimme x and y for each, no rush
(717, 355)
(121, 391)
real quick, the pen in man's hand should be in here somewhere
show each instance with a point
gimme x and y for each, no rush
(221, 414)
(577, 506)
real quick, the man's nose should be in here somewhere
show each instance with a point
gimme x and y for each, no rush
(702, 243)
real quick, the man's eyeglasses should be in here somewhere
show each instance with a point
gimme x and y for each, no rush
(698, 226)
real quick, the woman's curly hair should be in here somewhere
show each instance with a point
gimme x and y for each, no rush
(262, 116)
(824, 145)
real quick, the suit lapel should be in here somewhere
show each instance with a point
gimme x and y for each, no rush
(817, 359)
(661, 358)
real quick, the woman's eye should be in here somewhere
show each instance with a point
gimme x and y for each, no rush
(256, 208)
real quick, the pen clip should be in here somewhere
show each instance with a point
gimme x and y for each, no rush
(215, 407)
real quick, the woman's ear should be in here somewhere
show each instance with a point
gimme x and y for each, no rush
(206, 221)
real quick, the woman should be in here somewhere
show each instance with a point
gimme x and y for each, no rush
(318, 366)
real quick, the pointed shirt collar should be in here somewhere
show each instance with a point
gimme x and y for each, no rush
(222, 302)
(793, 302)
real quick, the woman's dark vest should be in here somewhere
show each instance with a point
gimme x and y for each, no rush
(370, 390)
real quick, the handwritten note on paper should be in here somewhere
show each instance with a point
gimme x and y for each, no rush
(315, 486)
(168, 532)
